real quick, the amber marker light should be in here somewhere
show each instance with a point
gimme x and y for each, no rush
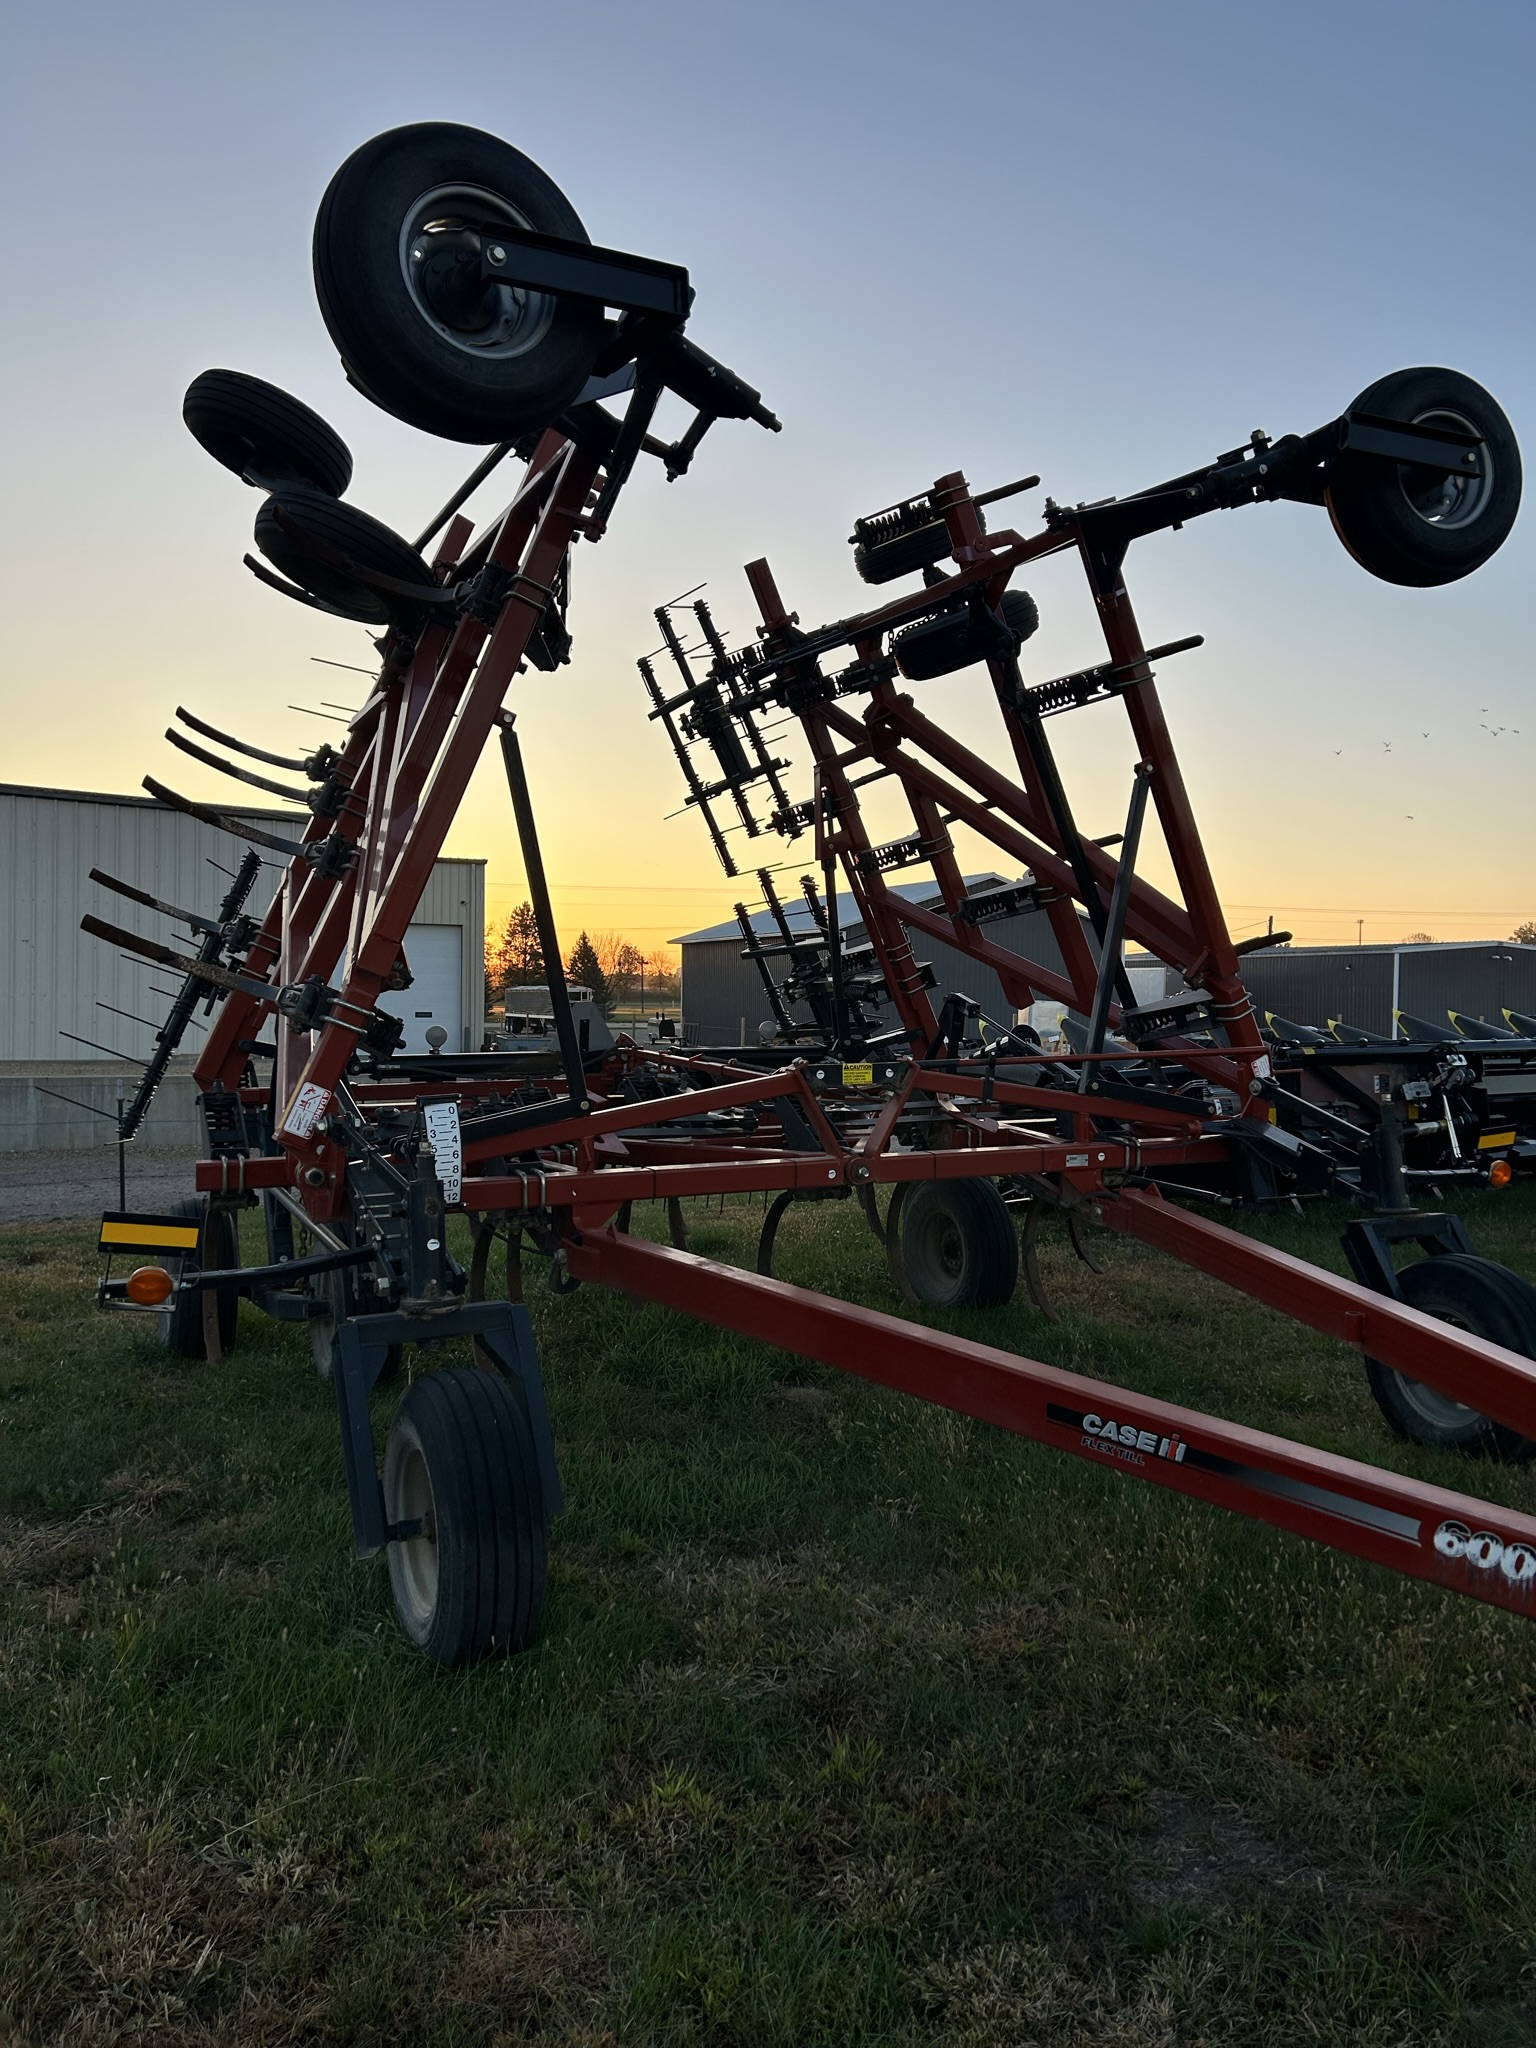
(1500, 1174)
(149, 1286)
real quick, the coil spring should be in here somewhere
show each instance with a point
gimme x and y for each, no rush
(880, 527)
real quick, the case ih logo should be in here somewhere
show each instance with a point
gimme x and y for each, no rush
(1121, 1439)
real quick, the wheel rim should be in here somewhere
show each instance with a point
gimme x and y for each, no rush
(1448, 502)
(415, 1557)
(1441, 1411)
(322, 1341)
(440, 261)
(943, 1250)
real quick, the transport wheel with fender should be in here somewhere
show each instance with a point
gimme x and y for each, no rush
(181, 1325)
(1420, 526)
(1486, 1300)
(958, 1246)
(252, 426)
(397, 260)
(461, 1474)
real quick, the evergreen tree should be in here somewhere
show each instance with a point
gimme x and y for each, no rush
(514, 957)
(584, 966)
(525, 956)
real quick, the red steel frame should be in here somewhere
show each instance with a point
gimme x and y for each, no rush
(408, 758)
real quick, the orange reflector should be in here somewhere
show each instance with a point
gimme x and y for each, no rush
(149, 1286)
(1500, 1174)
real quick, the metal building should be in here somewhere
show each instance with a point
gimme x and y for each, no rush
(1365, 985)
(69, 1003)
(722, 994)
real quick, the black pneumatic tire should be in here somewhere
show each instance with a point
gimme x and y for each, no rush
(1486, 1299)
(461, 1457)
(296, 514)
(954, 640)
(1410, 525)
(181, 1325)
(397, 274)
(249, 425)
(958, 1245)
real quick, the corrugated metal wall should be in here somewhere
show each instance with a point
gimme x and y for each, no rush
(1311, 984)
(1482, 980)
(1310, 987)
(53, 973)
(53, 976)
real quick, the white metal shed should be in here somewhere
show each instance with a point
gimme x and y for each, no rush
(56, 980)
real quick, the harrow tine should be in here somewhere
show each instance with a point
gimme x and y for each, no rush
(74, 1102)
(221, 821)
(188, 917)
(211, 732)
(96, 1046)
(283, 789)
(132, 1019)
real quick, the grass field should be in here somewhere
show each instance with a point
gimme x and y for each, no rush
(853, 1722)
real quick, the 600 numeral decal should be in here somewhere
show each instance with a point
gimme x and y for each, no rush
(1480, 1547)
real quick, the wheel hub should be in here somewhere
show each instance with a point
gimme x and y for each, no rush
(440, 243)
(1448, 501)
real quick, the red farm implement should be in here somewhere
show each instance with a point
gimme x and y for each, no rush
(464, 297)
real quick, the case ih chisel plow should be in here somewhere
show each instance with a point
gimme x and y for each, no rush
(464, 298)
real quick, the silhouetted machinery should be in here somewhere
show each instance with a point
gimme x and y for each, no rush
(465, 299)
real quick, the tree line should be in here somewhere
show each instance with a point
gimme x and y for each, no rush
(616, 970)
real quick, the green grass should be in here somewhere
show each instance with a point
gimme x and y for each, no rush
(852, 1722)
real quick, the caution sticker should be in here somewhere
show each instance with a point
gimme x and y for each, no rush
(306, 1109)
(858, 1073)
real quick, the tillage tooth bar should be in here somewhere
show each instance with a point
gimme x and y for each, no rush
(193, 918)
(316, 766)
(246, 775)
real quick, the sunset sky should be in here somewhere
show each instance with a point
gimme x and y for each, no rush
(1102, 243)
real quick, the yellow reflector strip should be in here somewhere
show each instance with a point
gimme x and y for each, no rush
(176, 1237)
(858, 1073)
(1494, 1141)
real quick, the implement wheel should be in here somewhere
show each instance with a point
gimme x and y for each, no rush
(251, 426)
(958, 1248)
(299, 529)
(398, 274)
(1487, 1300)
(181, 1325)
(1420, 526)
(461, 1473)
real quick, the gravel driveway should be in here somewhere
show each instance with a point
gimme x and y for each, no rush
(52, 1187)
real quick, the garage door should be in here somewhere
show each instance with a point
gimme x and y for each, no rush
(436, 954)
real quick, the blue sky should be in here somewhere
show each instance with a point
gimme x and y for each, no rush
(1098, 242)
